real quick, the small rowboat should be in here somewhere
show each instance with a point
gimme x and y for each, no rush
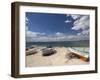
(31, 51)
(48, 51)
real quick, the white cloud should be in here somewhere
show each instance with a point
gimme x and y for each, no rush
(74, 16)
(26, 19)
(30, 35)
(54, 37)
(81, 23)
(34, 36)
(68, 21)
(85, 32)
(26, 22)
(26, 28)
(59, 34)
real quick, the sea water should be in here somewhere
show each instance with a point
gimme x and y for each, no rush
(83, 43)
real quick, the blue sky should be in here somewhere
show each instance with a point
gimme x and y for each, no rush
(56, 27)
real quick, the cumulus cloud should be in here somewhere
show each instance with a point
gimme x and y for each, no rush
(26, 22)
(81, 22)
(59, 34)
(34, 36)
(74, 16)
(83, 25)
(26, 19)
(30, 35)
(84, 32)
(68, 21)
(40, 37)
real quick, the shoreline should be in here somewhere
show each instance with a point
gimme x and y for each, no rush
(57, 59)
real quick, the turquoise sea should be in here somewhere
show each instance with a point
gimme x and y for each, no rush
(83, 43)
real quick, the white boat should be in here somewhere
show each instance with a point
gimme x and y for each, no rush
(81, 53)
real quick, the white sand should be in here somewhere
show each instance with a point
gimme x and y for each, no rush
(56, 59)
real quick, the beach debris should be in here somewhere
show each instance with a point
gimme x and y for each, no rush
(31, 51)
(72, 55)
(48, 51)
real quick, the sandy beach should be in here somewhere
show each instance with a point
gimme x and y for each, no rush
(57, 59)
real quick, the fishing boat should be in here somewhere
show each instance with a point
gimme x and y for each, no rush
(82, 53)
(31, 51)
(48, 51)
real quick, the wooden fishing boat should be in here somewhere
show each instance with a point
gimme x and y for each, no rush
(31, 51)
(83, 55)
(48, 51)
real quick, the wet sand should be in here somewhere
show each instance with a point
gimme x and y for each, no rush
(57, 59)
